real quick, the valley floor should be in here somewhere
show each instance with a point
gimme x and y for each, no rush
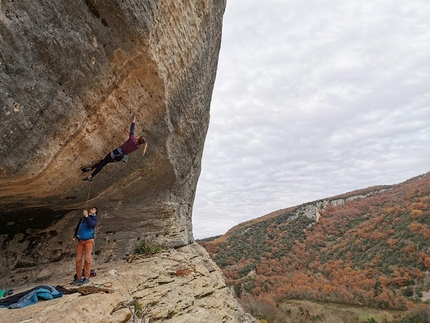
(303, 311)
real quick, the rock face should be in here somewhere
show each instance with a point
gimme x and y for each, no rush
(176, 286)
(72, 75)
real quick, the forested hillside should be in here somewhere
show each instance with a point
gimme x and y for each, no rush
(369, 248)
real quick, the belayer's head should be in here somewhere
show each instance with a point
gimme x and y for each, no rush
(94, 210)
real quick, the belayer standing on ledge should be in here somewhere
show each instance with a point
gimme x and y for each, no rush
(84, 233)
(119, 154)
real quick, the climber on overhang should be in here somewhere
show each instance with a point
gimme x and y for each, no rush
(119, 154)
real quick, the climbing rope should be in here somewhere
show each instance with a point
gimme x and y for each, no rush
(88, 197)
(91, 289)
(86, 206)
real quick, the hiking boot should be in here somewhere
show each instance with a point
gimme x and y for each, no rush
(84, 281)
(76, 282)
(86, 169)
(89, 179)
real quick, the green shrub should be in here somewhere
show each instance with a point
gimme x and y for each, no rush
(408, 292)
(147, 247)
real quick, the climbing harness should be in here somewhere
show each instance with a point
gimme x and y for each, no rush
(117, 154)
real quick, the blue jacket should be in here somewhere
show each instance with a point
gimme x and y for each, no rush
(85, 228)
(31, 297)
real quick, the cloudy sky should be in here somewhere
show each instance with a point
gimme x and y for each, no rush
(313, 98)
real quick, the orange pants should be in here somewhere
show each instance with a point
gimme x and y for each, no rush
(84, 247)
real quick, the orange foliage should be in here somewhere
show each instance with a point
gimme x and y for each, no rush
(362, 252)
(416, 214)
(427, 262)
(420, 228)
(392, 242)
(411, 248)
(415, 227)
(377, 235)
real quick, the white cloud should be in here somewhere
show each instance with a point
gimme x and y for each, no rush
(312, 99)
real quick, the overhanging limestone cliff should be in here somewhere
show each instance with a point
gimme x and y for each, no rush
(72, 75)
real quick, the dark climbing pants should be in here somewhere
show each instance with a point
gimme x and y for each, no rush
(99, 166)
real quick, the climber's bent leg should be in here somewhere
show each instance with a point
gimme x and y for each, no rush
(99, 166)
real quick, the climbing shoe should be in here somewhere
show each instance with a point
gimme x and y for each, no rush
(86, 169)
(84, 281)
(76, 282)
(89, 179)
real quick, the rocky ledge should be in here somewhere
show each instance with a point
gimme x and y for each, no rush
(180, 285)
